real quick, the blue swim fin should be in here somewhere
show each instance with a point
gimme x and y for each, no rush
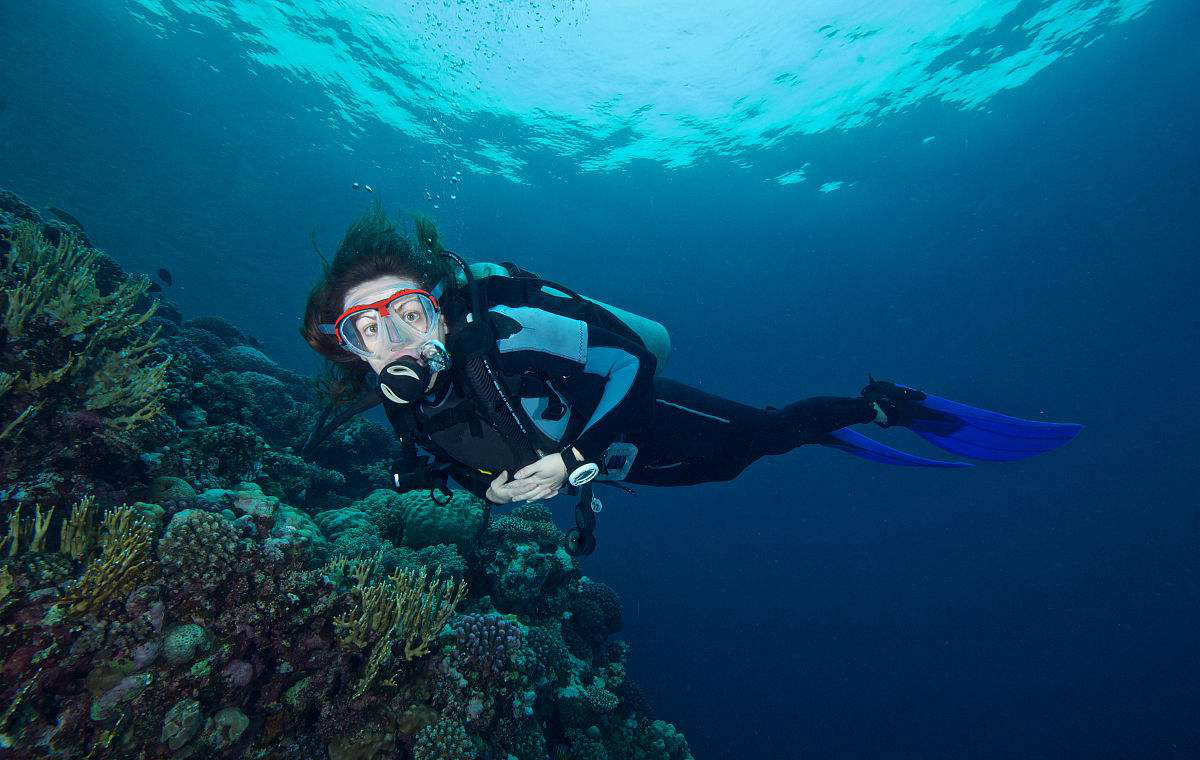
(860, 445)
(982, 434)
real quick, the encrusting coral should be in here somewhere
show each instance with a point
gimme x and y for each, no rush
(176, 580)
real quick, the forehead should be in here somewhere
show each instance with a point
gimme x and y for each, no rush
(376, 289)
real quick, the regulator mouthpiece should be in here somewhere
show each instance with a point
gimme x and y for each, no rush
(404, 380)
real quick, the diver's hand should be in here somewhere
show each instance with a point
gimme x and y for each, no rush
(547, 473)
(503, 491)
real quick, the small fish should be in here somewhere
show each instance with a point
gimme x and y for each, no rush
(64, 217)
(368, 188)
(154, 288)
(355, 185)
(165, 276)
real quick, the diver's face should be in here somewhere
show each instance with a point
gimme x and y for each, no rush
(410, 313)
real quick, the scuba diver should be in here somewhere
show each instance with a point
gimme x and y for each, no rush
(518, 387)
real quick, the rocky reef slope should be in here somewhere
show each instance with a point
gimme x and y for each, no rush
(177, 580)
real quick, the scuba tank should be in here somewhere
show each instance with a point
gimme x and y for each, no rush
(651, 334)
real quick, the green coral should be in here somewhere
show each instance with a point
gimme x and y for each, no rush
(181, 723)
(301, 528)
(420, 521)
(225, 728)
(183, 642)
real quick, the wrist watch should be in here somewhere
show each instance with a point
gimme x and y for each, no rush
(579, 470)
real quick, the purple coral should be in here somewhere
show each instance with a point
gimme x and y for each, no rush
(485, 644)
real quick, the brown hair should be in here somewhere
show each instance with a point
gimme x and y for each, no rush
(371, 248)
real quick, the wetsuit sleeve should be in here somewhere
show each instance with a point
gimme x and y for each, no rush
(627, 372)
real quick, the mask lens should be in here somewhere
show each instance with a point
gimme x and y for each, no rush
(370, 332)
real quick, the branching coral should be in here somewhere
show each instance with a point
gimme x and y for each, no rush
(124, 562)
(127, 385)
(61, 279)
(16, 532)
(78, 532)
(64, 331)
(411, 605)
(19, 530)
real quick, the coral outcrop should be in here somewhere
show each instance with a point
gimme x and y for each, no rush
(176, 580)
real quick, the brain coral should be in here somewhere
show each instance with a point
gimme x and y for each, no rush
(182, 642)
(413, 519)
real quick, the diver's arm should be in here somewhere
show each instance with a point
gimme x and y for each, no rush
(627, 370)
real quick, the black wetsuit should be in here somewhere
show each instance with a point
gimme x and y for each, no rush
(578, 384)
(696, 437)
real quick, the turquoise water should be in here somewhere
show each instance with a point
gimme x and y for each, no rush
(607, 84)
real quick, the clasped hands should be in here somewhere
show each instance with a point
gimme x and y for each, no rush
(540, 480)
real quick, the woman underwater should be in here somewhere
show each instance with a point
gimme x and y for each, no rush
(551, 390)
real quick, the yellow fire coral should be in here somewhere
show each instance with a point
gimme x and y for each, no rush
(411, 607)
(55, 285)
(78, 531)
(124, 563)
(19, 530)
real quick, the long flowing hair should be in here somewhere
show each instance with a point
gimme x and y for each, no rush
(373, 247)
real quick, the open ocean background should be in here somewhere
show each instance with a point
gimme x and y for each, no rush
(993, 201)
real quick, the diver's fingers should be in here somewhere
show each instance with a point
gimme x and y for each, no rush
(526, 484)
(520, 489)
(497, 492)
(525, 471)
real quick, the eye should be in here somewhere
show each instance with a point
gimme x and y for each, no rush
(414, 316)
(366, 326)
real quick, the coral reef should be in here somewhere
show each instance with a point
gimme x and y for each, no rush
(176, 580)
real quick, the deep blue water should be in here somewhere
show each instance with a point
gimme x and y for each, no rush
(1039, 256)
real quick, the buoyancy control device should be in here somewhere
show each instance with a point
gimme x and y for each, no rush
(474, 345)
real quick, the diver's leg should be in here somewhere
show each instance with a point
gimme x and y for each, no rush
(697, 437)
